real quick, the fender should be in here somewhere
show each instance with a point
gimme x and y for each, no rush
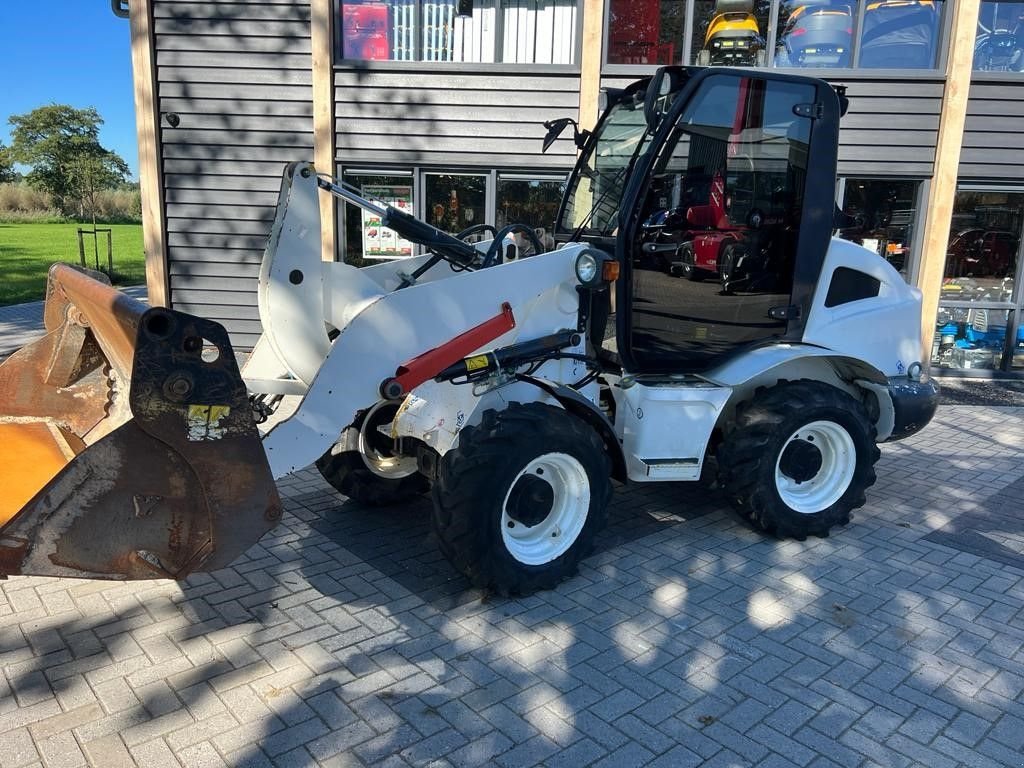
(766, 366)
(582, 408)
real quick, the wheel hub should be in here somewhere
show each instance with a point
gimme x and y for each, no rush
(545, 509)
(530, 500)
(816, 466)
(376, 445)
(801, 460)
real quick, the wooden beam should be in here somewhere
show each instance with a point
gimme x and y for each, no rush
(942, 192)
(590, 62)
(147, 128)
(322, 41)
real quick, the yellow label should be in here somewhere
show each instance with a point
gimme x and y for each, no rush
(476, 363)
(700, 332)
(203, 421)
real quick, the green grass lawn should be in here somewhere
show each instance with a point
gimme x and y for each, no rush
(28, 250)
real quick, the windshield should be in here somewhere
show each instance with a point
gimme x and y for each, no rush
(592, 203)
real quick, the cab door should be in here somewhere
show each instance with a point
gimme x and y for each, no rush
(769, 230)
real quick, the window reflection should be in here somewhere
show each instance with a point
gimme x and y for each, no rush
(981, 258)
(999, 45)
(509, 31)
(879, 214)
(533, 202)
(455, 202)
(972, 337)
(981, 262)
(730, 32)
(815, 33)
(645, 31)
(900, 34)
(720, 223)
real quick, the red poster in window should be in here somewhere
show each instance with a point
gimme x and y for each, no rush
(634, 34)
(366, 31)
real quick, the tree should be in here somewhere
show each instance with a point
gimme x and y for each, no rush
(61, 145)
(7, 172)
(93, 170)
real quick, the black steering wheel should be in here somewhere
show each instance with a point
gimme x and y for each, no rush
(493, 255)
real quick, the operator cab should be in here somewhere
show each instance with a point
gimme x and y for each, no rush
(699, 182)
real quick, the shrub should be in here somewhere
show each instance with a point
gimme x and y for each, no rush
(23, 199)
(21, 203)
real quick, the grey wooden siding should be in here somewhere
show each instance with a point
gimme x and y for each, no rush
(993, 145)
(239, 77)
(889, 130)
(452, 118)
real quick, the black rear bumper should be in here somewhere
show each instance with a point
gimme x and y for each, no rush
(914, 404)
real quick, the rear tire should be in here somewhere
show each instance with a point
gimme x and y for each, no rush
(519, 500)
(799, 460)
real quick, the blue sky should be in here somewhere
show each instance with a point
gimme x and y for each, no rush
(69, 52)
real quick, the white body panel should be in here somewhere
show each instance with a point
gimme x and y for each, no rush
(435, 412)
(883, 331)
(664, 428)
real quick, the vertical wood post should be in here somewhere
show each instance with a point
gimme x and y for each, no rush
(324, 154)
(590, 62)
(81, 247)
(942, 192)
(147, 127)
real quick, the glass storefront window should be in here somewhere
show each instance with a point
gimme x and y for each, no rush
(730, 32)
(455, 202)
(508, 31)
(365, 240)
(815, 33)
(830, 34)
(533, 202)
(880, 216)
(971, 337)
(979, 299)
(900, 34)
(981, 258)
(645, 31)
(999, 44)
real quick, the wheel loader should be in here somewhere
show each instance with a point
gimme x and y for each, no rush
(512, 389)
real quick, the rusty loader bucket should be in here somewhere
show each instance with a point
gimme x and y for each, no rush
(128, 449)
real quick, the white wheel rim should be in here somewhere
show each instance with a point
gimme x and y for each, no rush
(552, 537)
(388, 467)
(829, 483)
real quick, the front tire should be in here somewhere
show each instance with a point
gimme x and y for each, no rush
(689, 268)
(519, 500)
(799, 460)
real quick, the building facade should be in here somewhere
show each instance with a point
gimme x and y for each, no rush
(437, 106)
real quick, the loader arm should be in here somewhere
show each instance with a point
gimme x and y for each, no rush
(128, 444)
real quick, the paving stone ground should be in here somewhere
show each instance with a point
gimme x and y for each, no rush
(344, 639)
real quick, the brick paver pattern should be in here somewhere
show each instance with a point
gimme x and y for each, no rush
(343, 639)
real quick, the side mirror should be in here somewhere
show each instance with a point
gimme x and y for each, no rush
(555, 129)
